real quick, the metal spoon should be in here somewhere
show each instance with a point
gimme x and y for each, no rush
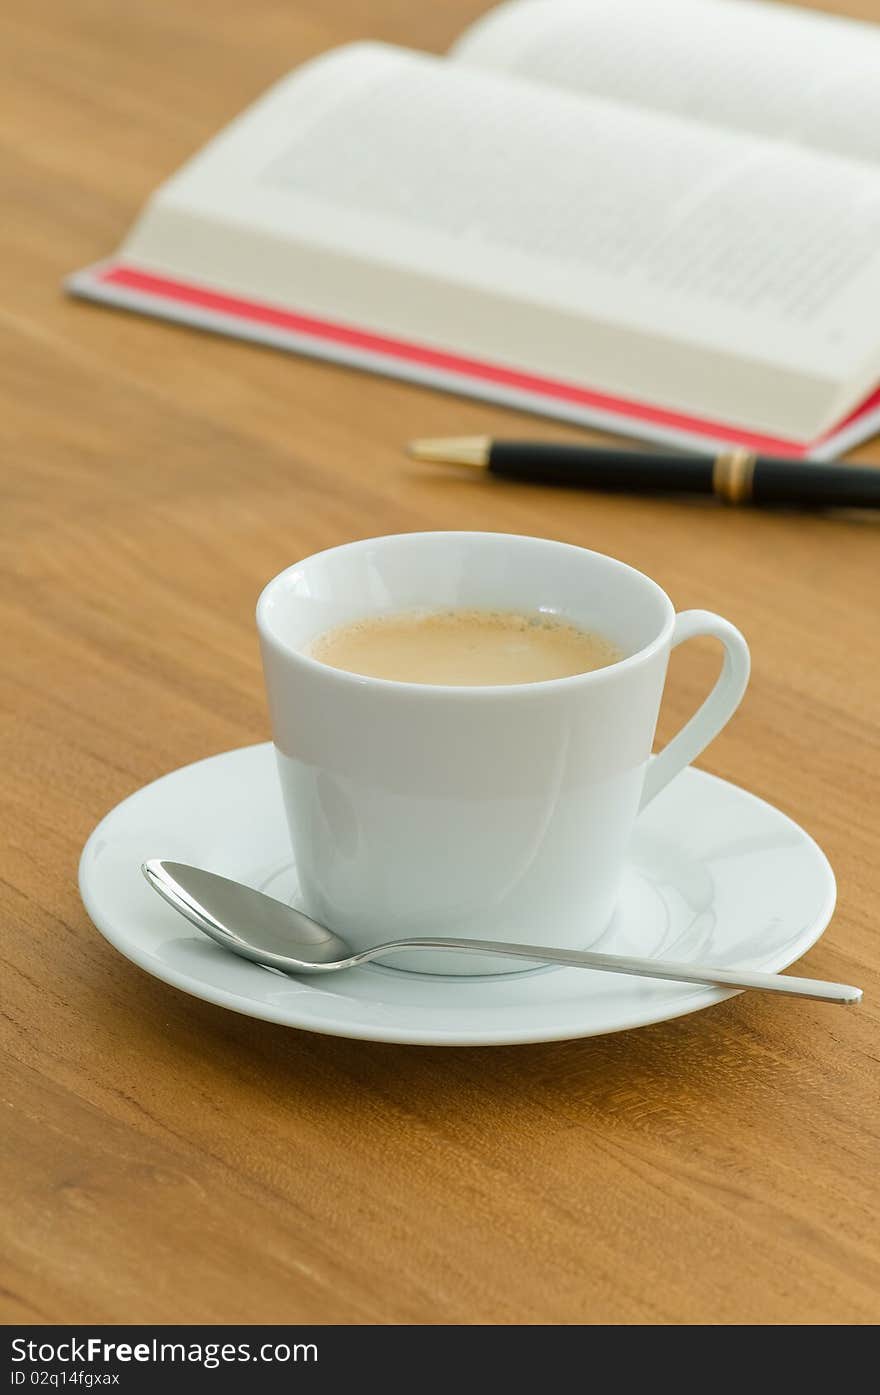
(265, 930)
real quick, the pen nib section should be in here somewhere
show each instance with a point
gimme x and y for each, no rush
(452, 450)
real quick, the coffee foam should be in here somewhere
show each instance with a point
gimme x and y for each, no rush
(465, 647)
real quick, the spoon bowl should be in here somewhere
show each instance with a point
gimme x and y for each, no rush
(246, 921)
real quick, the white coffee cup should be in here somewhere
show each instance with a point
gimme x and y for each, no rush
(494, 812)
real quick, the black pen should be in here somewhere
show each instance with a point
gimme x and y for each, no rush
(737, 476)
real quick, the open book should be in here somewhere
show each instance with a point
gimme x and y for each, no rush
(655, 216)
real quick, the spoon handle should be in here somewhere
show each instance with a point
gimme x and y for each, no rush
(646, 968)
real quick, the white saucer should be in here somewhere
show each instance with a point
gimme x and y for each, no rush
(715, 876)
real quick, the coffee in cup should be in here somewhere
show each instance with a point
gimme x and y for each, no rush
(465, 648)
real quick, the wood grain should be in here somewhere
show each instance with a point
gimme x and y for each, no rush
(717, 1169)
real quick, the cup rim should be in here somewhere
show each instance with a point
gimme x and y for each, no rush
(541, 687)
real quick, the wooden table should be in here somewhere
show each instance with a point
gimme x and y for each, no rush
(164, 1160)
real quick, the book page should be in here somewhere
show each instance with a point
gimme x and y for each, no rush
(471, 210)
(771, 69)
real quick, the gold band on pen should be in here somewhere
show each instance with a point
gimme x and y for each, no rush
(732, 475)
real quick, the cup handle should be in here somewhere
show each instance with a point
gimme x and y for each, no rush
(715, 712)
